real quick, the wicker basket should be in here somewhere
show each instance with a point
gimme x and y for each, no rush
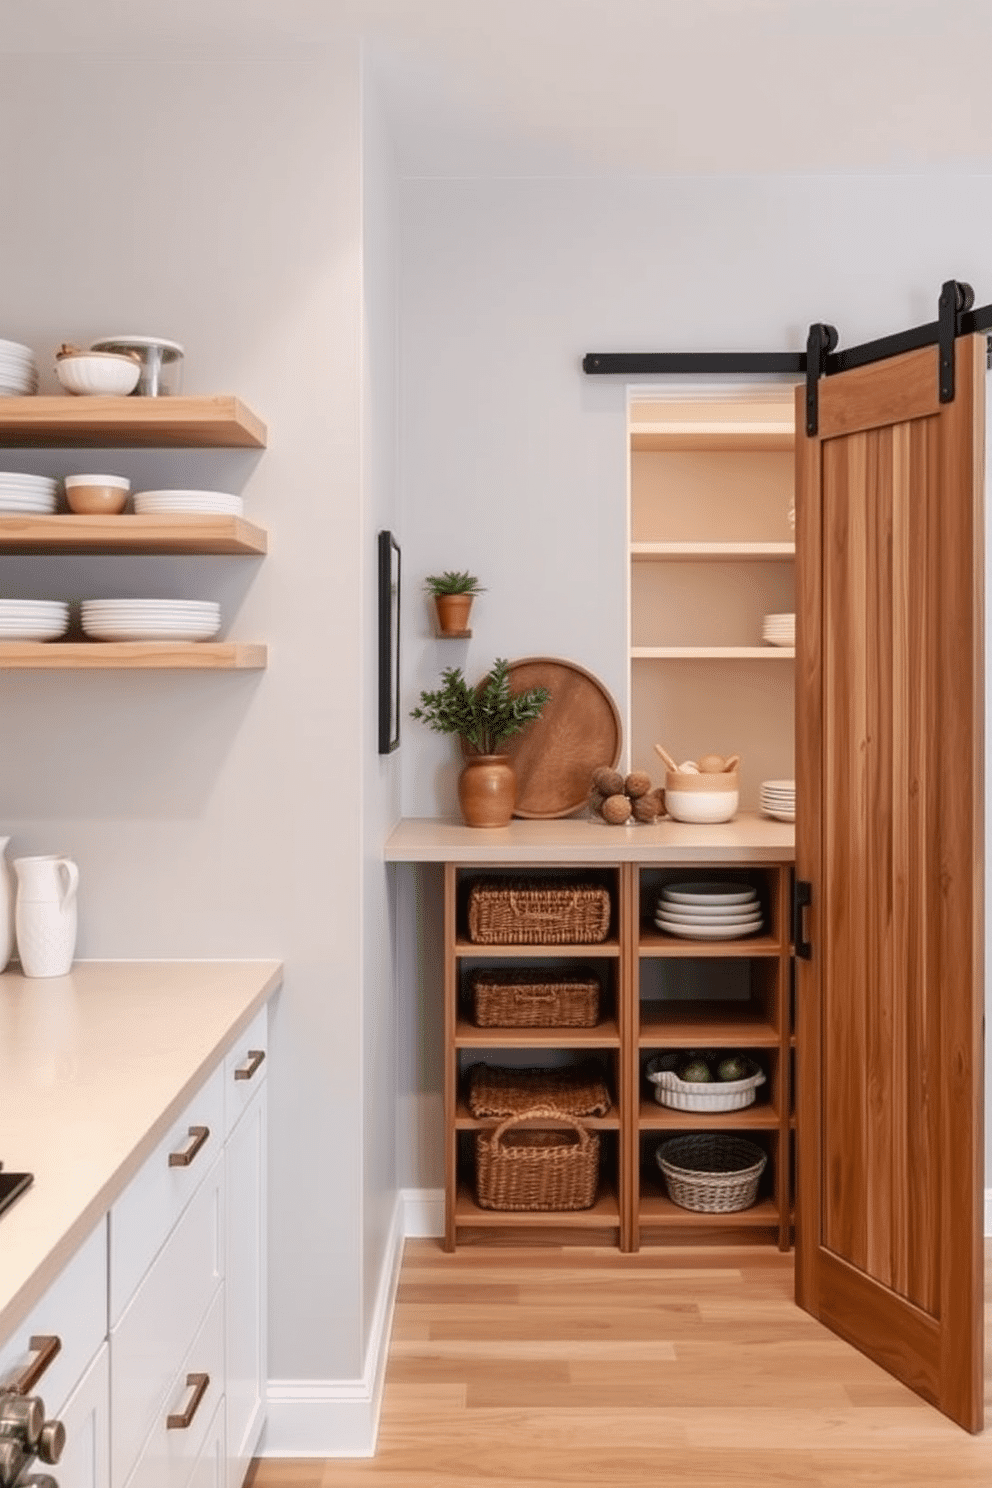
(538, 1168)
(711, 1173)
(531, 912)
(697, 1095)
(576, 1089)
(534, 999)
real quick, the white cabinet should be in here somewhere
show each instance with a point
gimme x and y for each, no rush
(246, 1102)
(86, 1417)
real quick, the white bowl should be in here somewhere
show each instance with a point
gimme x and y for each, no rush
(98, 374)
(702, 806)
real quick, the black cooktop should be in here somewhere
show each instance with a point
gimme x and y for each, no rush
(12, 1185)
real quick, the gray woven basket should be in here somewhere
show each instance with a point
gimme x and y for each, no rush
(711, 1173)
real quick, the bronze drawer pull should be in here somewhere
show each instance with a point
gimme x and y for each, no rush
(184, 1158)
(45, 1346)
(245, 1071)
(179, 1422)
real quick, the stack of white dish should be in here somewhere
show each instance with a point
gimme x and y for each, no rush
(18, 370)
(778, 799)
(779, 630)
(150, 619)
(199, 503)
(720, 910)
(33, 619)
(25, 495)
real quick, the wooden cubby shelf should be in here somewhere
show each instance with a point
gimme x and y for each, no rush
(130, 533)
(605, 1212)
(604, 1035)
(220, 422)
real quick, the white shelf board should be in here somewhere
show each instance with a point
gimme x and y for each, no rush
(648, 551)
(712, 653)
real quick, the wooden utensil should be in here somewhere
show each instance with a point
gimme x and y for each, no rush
(671, 763)
(731, 762)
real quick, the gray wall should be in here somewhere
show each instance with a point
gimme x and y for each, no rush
(514, 461)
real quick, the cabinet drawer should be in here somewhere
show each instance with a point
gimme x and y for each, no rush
(85, 1463)
(154, 1334)
(153, 1201)
(169, 1454)
(74, 1309)
(244, 1071)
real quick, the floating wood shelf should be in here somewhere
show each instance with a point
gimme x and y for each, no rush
(646, 552)
(156, 423)
(712, 653)
(215, 656)
(712, 436)
(171, 532)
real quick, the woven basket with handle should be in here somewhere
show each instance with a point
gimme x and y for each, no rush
(534, 999)
(520, 1167)
(526, 912)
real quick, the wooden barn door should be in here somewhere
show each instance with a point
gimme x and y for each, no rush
(889, 767)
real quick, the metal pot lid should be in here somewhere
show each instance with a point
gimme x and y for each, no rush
(171, 350)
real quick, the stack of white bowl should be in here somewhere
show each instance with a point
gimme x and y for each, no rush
(778, 799)
(779, 630)
(150, 619)
(192, 503)
(33, 619)
(18, 370)
(27, 495)
(720, 910)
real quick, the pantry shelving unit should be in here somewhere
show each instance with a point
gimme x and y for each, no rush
(711, 552)
(659, 993)
(221, 422)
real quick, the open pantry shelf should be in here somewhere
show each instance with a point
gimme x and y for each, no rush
(154, 423)
(647, 552)
(212, 656)
(169, 533)
(712, 653)
(605, 1035)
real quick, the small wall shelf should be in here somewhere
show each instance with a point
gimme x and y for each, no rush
(213, 656)
(169, 533)
(158, 423)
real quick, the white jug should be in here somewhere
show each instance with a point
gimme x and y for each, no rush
(6, 906)
(45, 914)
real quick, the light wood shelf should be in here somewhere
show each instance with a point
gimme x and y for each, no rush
(708, 551)
(759, 1117)
(605, 1212)
(155, 423)
(657, 1210)
(656, 943)
(604, 1035)
(712, 653)
(214, 656)
(608, 949)
(737, 436)
(465, 1121)
(688, 1025)
(169, 533)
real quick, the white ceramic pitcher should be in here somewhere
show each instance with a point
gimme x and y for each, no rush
(45, 914)
(6, 906)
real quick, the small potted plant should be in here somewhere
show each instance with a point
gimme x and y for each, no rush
(483, 717)
(453, 594)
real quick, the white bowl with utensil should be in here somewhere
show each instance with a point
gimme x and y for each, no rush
(702, 797)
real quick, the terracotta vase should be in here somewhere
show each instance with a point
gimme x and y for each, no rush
(487, 790)
(452, 613)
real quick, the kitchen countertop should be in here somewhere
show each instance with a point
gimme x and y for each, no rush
(94, 1066)
(749, 838)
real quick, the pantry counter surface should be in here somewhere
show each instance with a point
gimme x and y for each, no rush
(749, 838)
(94, 1066)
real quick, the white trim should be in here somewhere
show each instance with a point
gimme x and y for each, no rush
(339, 1418)
(423, 1210)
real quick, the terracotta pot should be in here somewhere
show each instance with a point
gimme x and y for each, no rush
(487, 789)
(452, 613)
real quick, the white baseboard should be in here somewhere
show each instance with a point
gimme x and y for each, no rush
(339, 1418)
(423, 1210)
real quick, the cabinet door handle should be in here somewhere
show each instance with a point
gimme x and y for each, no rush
(198, 1383)
(246, 1070)
(184, 1158)
(802, 899)
(44, 1346)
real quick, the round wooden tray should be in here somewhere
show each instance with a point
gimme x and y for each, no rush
(553, 759)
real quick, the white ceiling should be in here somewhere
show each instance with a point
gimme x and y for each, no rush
(606, 86)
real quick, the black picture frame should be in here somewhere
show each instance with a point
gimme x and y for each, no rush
(389, 561)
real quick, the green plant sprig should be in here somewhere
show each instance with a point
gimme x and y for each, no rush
(451, 582)
(483, 716)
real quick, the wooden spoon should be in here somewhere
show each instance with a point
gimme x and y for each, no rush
(731, 763)
(672, 764)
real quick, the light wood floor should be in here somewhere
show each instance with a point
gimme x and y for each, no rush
(582, 1368)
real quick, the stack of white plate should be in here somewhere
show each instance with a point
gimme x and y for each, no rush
(779, 630)
(33, 619)
(709, 911)
(18, 370)
(201, 503)
(778, 799)
(150, 619)
(27, 494)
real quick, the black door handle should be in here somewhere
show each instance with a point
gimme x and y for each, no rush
(802, 898)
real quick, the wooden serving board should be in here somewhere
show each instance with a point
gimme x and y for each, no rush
(580, 728)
